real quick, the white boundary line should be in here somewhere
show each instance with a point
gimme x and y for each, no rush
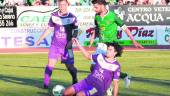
(24, 53)
(138, 50)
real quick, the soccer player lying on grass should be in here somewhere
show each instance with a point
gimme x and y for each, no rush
(106, 69)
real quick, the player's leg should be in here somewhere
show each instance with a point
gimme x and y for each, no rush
(48, 72)
(52, 59)
(70, 91)
(76, 88)
(82, 93)
(126, 79)
(73, 71)
(68, 60)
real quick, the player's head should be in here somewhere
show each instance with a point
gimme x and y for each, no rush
(63, 4)
(98, 5)
(114, 50)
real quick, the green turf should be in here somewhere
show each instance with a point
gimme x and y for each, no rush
(22, 74)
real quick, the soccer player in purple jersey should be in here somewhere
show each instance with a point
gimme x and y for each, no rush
(105, 70)
(65, 29)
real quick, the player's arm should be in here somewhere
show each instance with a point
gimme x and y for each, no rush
(116, 81)
(93, 33)
(115, 88)
(82, 49)
(75, 28)
(45, 34)
(74, 33)
(92, 37)
(48, 29)
(125, 29)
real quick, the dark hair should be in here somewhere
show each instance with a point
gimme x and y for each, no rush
(117, 47)
(101, 2)
(63, 0)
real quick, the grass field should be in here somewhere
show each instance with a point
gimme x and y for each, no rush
(22, 74)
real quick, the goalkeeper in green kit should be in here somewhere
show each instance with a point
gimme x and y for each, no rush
(106, 26)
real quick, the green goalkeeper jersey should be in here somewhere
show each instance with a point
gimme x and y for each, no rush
(107, 26)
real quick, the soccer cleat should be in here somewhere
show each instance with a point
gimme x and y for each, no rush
(127, 81)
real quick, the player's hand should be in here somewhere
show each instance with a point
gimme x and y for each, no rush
(76, 42)
(89, 45)
(73, 39)
(137, 45)
(90, 30)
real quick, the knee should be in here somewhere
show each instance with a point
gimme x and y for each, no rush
(80, 94)
(51, 63)
(68, 91)
(65, 93)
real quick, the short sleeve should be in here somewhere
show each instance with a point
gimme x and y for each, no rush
(75, 27)
(94, 57)
(116, 74)
(75, 23)
(50, 23)
(119, 21)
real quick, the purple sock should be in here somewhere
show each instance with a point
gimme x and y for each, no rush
(47, 75)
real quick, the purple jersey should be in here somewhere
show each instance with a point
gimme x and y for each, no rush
(63, 28)
(103, 73)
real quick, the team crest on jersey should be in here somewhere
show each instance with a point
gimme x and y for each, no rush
(108, 22)
(102, 27)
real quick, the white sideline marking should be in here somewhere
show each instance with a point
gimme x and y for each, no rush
(88, 51)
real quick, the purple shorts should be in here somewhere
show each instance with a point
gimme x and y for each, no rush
(66, 55)
(89, 90)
